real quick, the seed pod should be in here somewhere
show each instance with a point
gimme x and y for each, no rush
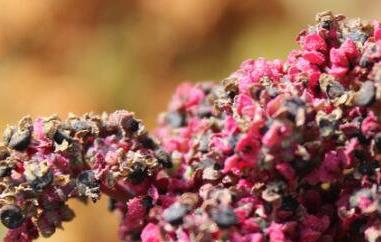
(11, 216)
(175, 213)
(147, 202)
(377, 141)
(130, 124)
(40, 183)
(335, 90)
(175, 119)
(87, 178)
(163, 158)
(60, 136)
(224, 217)
(147, 142)
(20, 140)
(111, 205)
(289, 203)
(4, 153)
(138, 174)
(366, 95)
(367, 167)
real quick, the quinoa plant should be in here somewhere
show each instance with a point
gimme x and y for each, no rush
(279, 151)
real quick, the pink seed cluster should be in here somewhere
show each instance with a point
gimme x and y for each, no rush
(280, 151)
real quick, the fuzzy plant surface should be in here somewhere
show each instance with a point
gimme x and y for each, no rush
(280, 151)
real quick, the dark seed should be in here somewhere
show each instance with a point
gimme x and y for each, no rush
(147, 202)
(368, 168)
(87, 178)
(224, 218)
(67, 214)
(138, 174)
(130, 125)
(175, 213)
(357, 36)
(175, 119)
(163, 158)
(364, 61)
(335, 89)
(327, 127)
(111, 204)
(289, 203)
(273, 92)
(326, 24)
(5, 171)
(4, 153)
(11, 216)
(204, 144)
(302, 166)
(60, 136)
(147, 142)
(294, 107)
(80, 125)
(204, 111)
(366, 95)
(377, 141)
(40, 183)
(20, 140)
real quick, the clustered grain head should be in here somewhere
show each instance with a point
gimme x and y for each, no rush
(48, 161)
(280, 151)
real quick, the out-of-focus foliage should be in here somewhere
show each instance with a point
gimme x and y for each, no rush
(94, 55)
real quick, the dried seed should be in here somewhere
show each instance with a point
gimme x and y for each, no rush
(368, 167)
(87, 178)
(377, 141)
(111, 204)
(224, 217)
(5, 171)
(147, 142)
(335, 90)
(67, 214)
(4, 153)
(147, 202)
(163, 158)
(11, 216)
(60, 136)
(366, 95)
(80, 125)
(40, 183)
(204, 143)
(296, 110)
(20, 140)
(327, 127)
(175, 119)
(130, 124)
(357, 36)
(175, 213)
(289, 203)
(138, 173)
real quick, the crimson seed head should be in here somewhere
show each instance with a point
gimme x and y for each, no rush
(279, 151)
(11, 216)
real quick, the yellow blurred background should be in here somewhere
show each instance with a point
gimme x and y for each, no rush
(95, 55)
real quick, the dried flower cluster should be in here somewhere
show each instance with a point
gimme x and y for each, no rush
(280, 151)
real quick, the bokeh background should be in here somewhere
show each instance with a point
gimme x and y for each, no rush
(95, 55)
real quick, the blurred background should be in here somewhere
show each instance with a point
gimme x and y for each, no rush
(95, 55)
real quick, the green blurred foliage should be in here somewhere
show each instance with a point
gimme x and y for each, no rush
(93, 55)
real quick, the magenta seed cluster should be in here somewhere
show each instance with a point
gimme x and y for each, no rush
(280, 151)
